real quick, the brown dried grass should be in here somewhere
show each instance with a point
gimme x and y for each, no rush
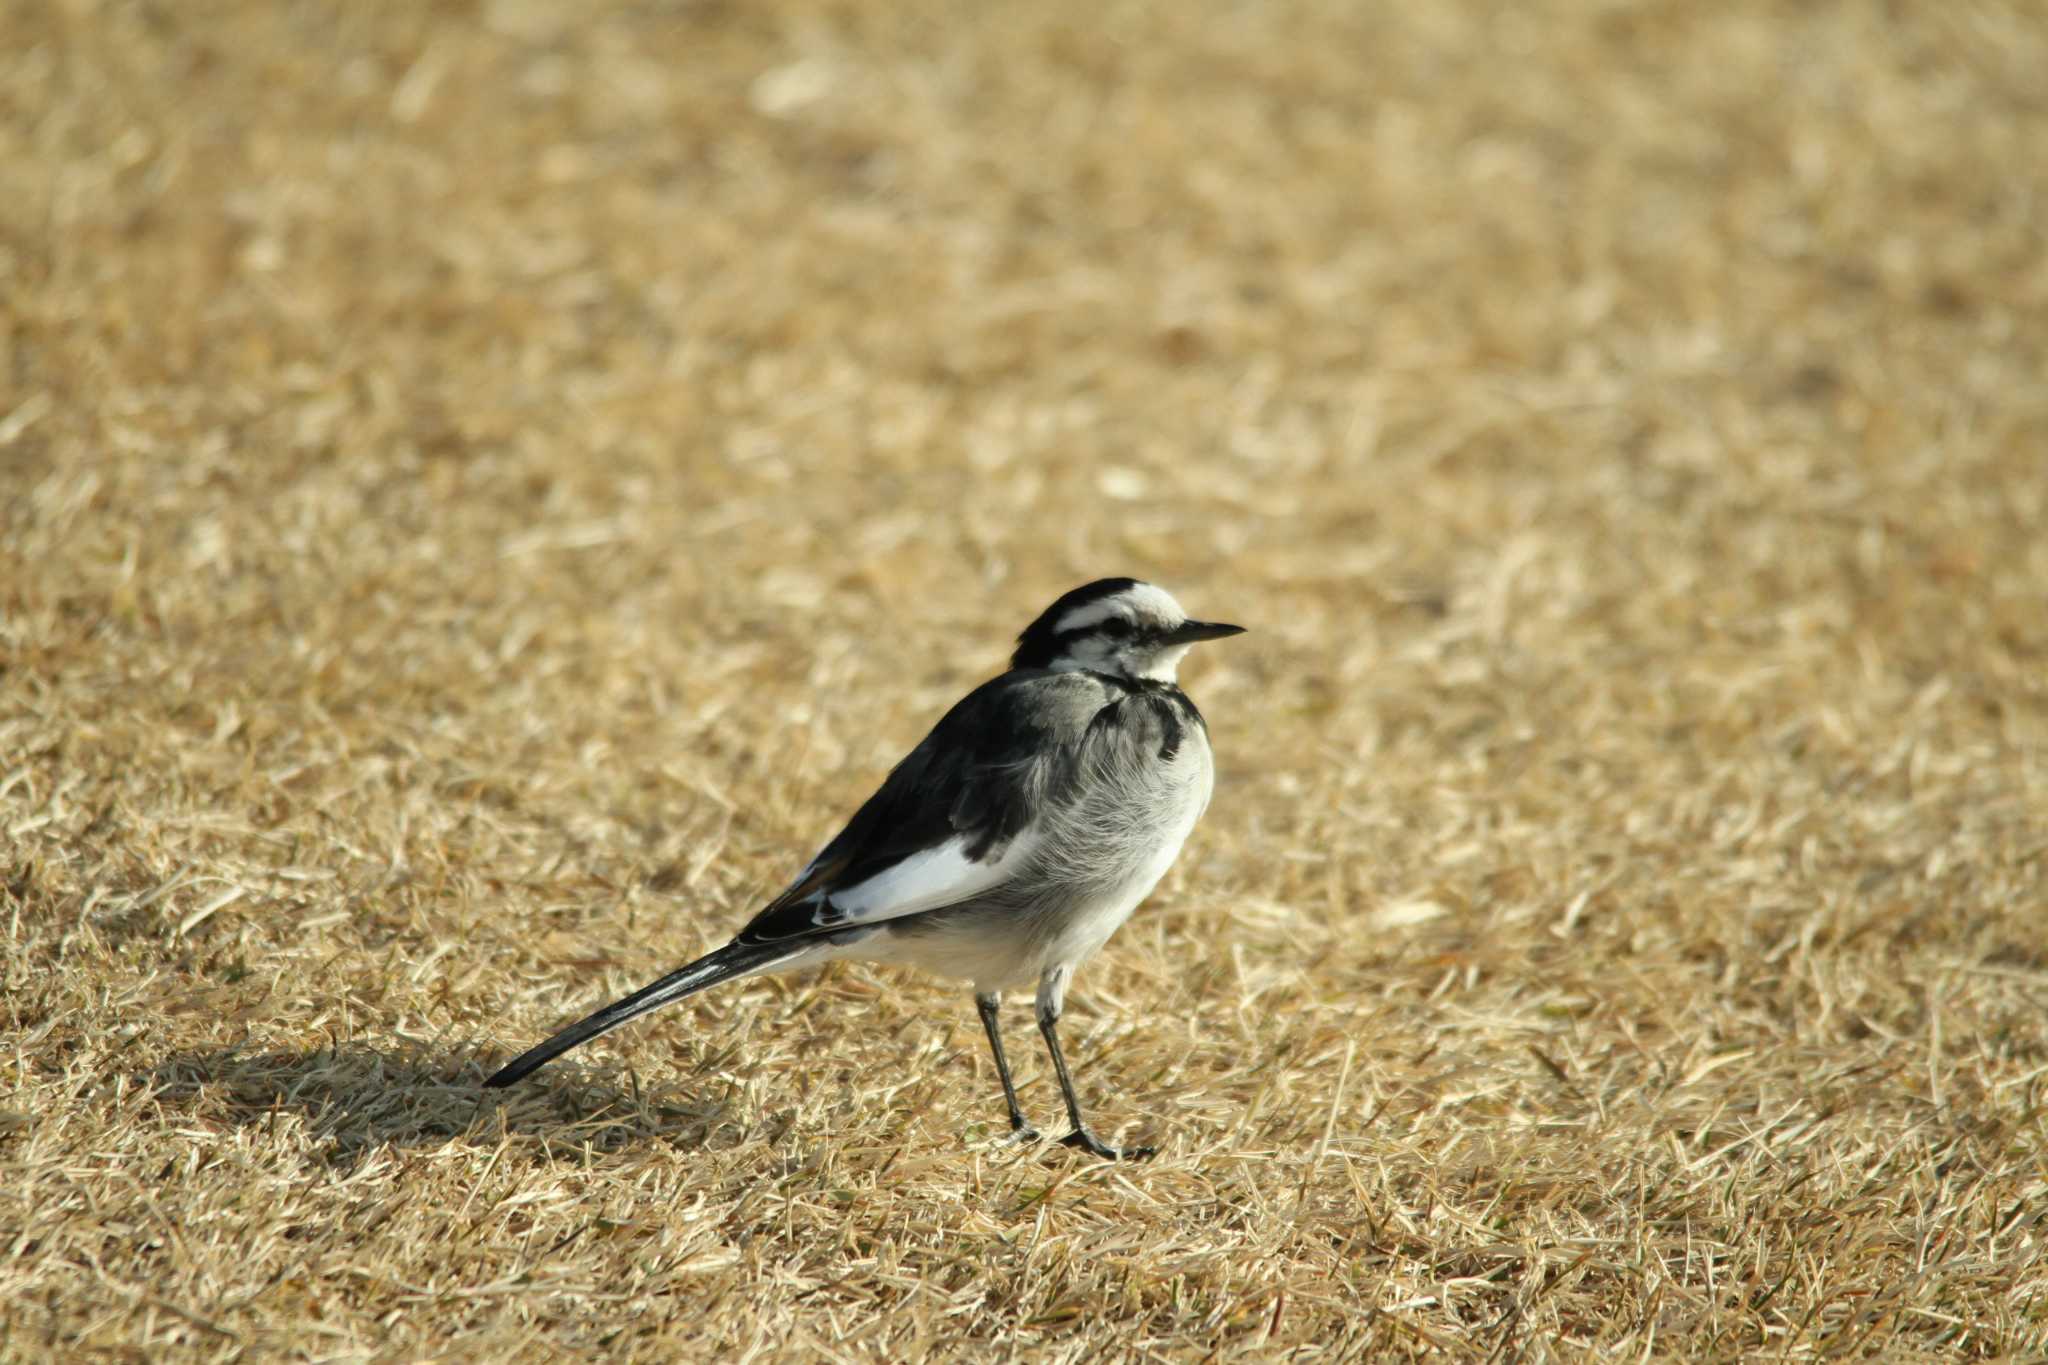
(485, 488)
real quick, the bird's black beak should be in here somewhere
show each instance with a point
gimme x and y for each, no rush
(1194, 632)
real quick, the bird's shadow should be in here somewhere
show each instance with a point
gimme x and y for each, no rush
(353, 1098)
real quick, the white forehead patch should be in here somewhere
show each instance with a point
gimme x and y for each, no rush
(1140, 601)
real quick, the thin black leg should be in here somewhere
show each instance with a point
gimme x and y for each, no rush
(1048, 1024)
(1020, 1127)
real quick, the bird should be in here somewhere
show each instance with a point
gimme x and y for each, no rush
(1009, 845)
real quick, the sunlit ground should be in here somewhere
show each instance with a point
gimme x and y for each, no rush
(485, 488)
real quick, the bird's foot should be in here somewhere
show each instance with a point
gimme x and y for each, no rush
(1088, 1142)
(1021, 1135)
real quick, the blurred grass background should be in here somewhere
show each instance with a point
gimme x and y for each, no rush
(485, 487)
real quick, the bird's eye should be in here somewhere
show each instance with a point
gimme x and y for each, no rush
(1116, 628)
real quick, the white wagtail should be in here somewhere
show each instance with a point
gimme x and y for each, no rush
(1011, 843)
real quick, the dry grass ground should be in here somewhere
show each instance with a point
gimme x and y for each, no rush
(487, 485)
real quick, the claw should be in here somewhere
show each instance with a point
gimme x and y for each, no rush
(1088, 1142)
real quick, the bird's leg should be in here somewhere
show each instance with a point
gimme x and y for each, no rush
(1052, 991)
(1020, 1128)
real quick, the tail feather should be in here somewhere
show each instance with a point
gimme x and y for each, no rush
(733, 960)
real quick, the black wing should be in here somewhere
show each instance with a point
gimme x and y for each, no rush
(953, 818)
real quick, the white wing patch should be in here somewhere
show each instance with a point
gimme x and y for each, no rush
(928, 880)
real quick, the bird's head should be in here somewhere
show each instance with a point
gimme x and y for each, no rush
(1117, 626)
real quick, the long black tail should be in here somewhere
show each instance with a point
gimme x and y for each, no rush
(723, 965)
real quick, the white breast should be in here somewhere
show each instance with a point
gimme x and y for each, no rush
(1151, 821)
